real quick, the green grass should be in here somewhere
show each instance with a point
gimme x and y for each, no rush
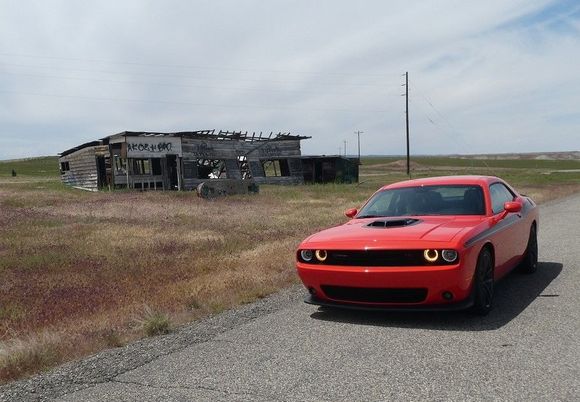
(518, 172)
(154, 322)
(438, 161)
(39, 167)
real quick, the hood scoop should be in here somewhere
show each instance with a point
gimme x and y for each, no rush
(392, 223)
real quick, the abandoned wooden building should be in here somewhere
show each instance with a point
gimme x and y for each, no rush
(182, 160)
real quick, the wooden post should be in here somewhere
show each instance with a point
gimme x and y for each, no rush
(127, 170)
(178, 164)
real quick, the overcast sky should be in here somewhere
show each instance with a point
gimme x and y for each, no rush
(485, 76)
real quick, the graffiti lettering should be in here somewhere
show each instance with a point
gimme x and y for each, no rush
(161, 147)
(203, 150)
(271, 150)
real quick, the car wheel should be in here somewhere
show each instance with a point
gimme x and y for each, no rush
(483, 285)
(529, 264)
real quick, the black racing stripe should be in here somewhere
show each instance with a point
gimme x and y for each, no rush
(528, 205)
(503, 224)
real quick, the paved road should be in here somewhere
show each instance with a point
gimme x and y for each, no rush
(280, 349)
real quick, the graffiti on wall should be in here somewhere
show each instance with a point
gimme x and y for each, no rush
(147, 147)
(162, 147)
(270, 150)
(203, 150)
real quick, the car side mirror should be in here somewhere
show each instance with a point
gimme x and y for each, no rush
(512, 206)
(509, 206)
(350, 213)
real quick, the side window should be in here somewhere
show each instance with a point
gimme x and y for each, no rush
(499, 195)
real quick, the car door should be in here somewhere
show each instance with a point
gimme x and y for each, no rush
(507, 236)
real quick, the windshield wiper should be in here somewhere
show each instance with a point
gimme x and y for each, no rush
(371, 216)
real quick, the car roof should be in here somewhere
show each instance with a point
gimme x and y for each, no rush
(444, 180)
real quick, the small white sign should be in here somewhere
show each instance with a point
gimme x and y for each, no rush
(153, 147)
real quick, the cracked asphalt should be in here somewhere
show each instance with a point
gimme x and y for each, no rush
(280, 349)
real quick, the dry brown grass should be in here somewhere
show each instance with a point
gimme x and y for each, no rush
(22, 356)
(87, 263)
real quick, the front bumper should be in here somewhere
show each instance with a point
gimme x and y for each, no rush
(458, 306)
(437, 280)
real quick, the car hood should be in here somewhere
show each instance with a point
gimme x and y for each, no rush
(360, 233)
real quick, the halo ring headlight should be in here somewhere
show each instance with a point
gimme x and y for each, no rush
(321, 255)
(449, 255)
(431, 255)
(306, 255)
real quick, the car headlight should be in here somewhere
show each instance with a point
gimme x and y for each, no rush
(449, 255)
(321, 255)
(431, 255)
(306, 255)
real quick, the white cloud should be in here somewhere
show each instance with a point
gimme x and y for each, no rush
(490, 76)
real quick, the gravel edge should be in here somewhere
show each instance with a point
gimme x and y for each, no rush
(108, 364)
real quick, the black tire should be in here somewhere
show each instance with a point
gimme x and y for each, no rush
(483, 284)
(529, 264)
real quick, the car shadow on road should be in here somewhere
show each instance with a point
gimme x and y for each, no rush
(513, 294)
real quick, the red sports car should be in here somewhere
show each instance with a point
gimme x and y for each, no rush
(427, 244)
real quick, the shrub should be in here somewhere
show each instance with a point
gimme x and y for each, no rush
(153, 322)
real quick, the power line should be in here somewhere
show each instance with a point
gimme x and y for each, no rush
(458, 135)
(221, 78)
(189, 66)
(164, 84)
(186, 103)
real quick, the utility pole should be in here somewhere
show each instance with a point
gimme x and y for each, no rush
(345, 148)
(358, 133)
(407, 120)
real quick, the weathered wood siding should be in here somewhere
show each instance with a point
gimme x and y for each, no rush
(231, 149)
(271, 149)
(82, 171)
(209, 149)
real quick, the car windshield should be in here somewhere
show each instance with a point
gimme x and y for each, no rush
(426, 200)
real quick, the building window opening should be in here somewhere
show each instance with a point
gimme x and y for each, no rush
(276, 167)
(211, 169)
(141, 167)
(64, 167)
(156, 166)
(120, 165)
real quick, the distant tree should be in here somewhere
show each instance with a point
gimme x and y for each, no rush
(13, 173)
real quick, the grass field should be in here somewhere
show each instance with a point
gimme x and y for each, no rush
(34, 167)
(83, 271)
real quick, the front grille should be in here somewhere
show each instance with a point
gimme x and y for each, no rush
(376, 258)
(375, 295)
